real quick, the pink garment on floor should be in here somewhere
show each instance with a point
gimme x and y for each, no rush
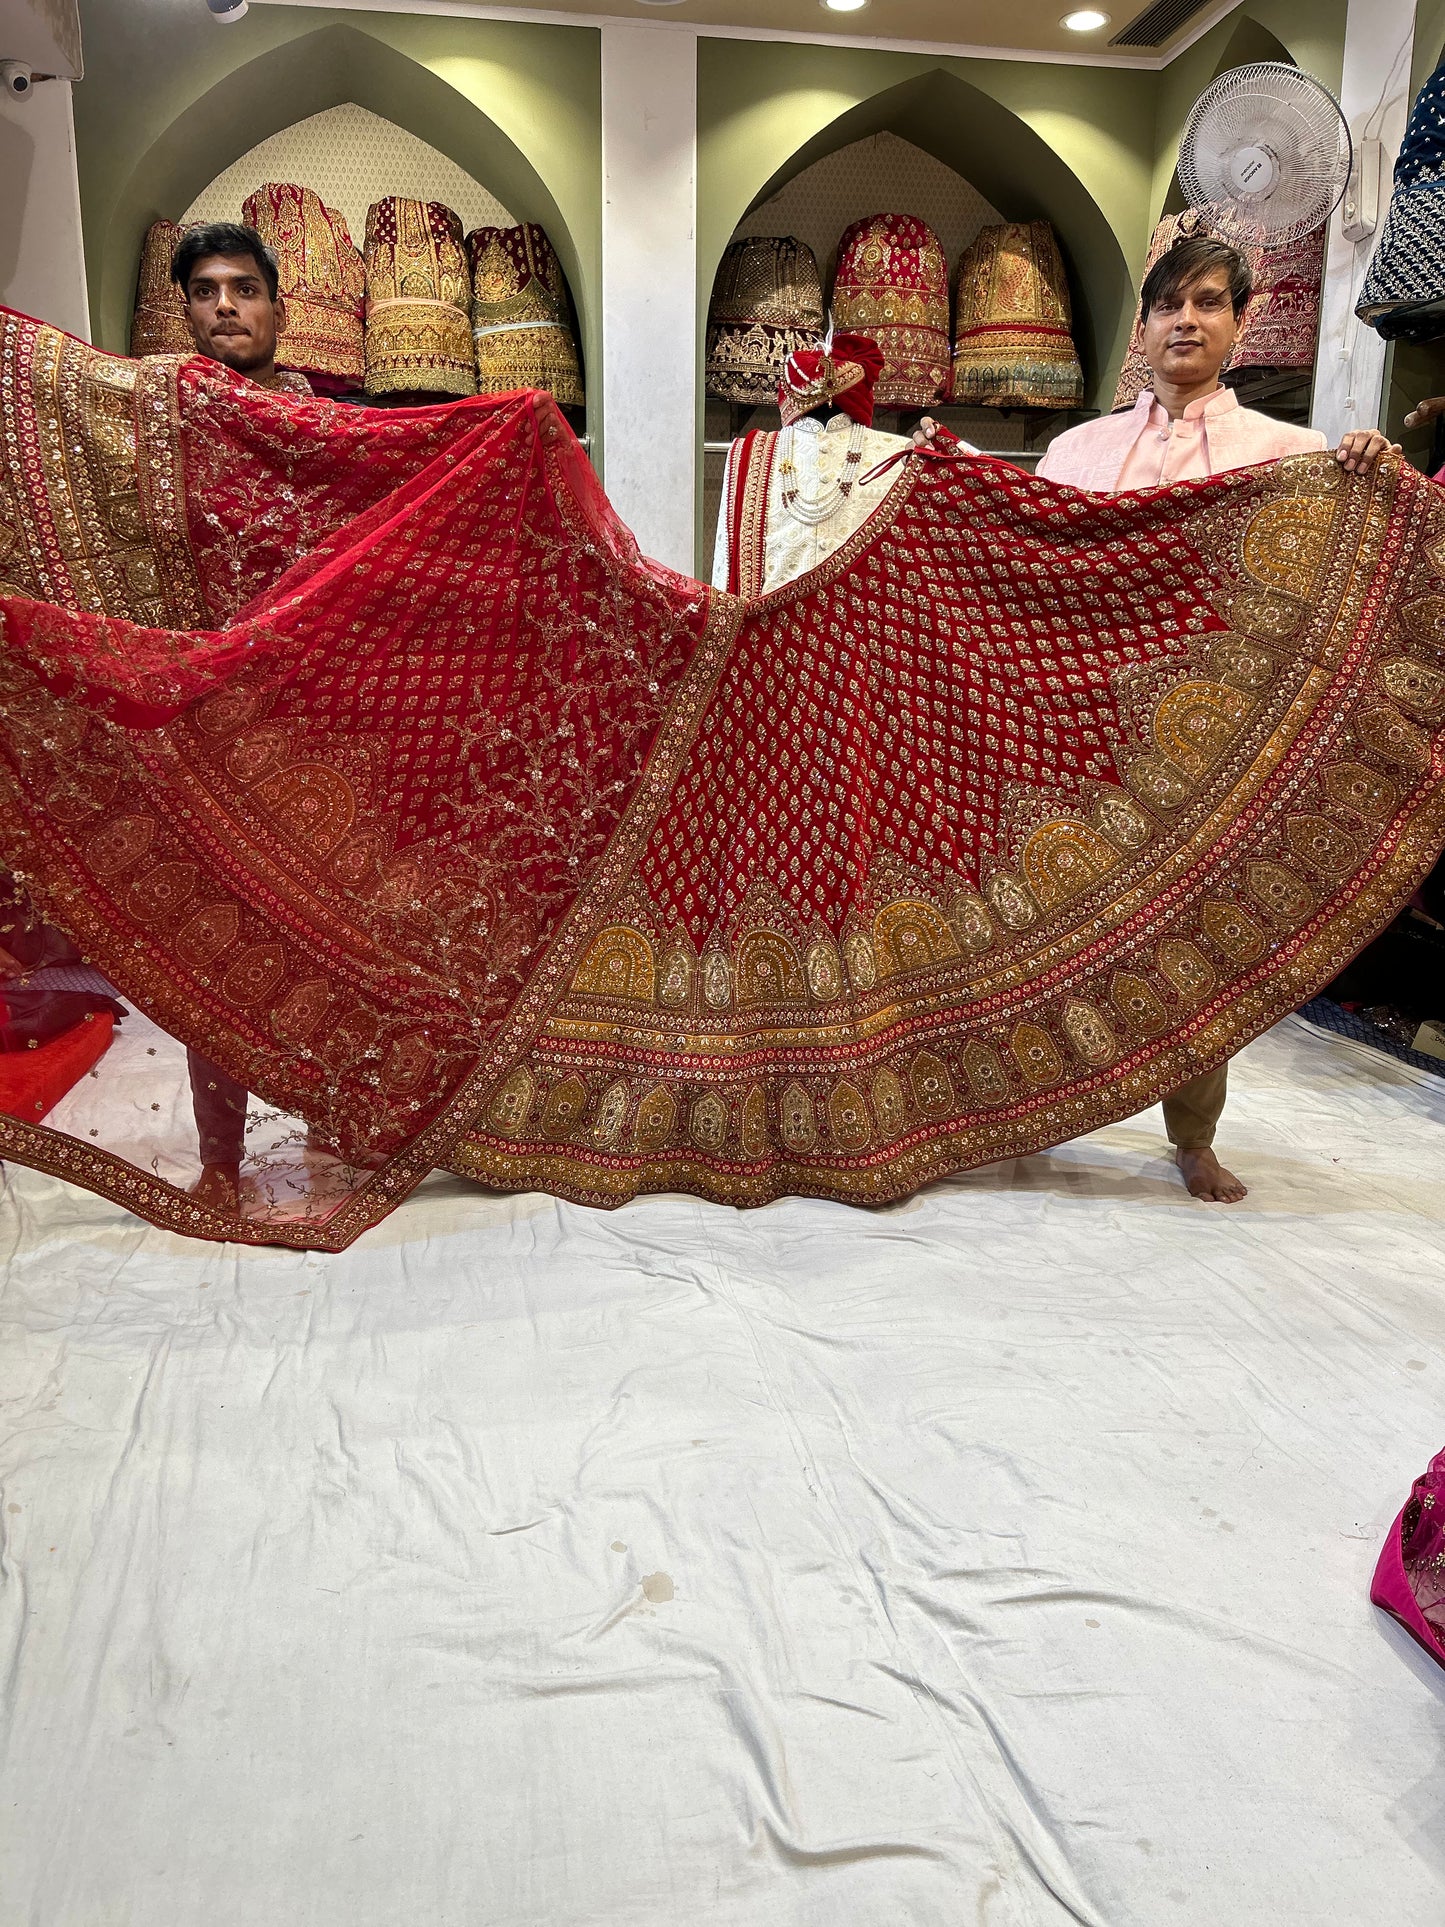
(1409, 1581)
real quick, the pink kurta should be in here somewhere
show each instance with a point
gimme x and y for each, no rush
(1142, 448)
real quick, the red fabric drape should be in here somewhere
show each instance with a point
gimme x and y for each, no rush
(32, 1082)
(451, 827)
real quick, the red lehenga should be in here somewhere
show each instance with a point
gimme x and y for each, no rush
(472, 839)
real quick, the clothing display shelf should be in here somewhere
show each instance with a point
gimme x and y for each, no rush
(969, 424)
(1285, 393)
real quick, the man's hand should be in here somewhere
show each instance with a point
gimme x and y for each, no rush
(1425, 412)
(1361, 449)
(926, 430)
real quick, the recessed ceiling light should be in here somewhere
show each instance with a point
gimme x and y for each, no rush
(844, 6)
(1086, 20)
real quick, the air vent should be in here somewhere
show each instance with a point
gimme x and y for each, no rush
(1158, 23)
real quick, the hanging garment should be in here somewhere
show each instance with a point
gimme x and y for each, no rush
(365, 756)
(767, 301)
(1014, 344)
(521, 319)
(323, 279)
(159, 325)
(891, 282)
(1282, 322)
(418, 301)
(1403, 298)
(1280, 326)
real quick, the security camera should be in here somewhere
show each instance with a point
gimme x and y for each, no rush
(17, 79)
(223, 12)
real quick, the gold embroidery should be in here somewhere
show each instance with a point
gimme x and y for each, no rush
(909, 936)
(1089, 1032)
(1061, 859)
(619, 964)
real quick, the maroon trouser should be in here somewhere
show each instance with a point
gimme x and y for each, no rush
(220, 1107)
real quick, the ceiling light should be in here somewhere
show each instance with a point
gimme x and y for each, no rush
(844, 6)
(1086, 20)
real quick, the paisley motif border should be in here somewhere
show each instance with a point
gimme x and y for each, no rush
(675, 1046)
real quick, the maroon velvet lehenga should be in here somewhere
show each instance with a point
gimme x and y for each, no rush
(366, 760)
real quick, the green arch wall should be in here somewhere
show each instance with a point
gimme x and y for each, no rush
(519, 107)
(1070, 145)
(1011, 166)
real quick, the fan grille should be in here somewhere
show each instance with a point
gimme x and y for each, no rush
(1292, 125)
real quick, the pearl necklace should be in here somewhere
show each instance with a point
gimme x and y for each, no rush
(810, 510)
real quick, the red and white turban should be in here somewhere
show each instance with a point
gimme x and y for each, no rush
(842, 373)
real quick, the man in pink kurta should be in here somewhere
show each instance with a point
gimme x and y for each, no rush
(1188, 425)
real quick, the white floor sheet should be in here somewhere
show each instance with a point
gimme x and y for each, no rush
(1000, 1557)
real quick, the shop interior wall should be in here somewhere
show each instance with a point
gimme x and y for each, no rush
(168, 101)
(42, 268)
(350, 157)
(1071, 145)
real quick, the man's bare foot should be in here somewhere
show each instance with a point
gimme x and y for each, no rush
(219, 1186)
(1207, 1178)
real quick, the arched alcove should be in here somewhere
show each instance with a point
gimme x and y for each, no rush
(882, 171)
(351, 157)
(329, 67)
(995, 150)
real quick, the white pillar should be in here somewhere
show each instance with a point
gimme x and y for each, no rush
(649, 283)
(42, 250)
(1375, 94)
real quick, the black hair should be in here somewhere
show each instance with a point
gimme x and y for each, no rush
(232, 242)
(1183, 265)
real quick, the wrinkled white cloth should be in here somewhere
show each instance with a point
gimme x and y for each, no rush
(998, 1557)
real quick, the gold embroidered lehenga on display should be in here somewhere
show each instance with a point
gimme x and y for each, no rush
(363, 754)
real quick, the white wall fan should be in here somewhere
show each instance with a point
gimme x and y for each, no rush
(1265, 155)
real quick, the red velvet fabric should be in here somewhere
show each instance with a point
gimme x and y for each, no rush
(32, 1082)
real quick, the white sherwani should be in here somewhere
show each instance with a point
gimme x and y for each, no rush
(789, 547)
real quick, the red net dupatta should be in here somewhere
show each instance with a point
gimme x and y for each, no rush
(454, 833)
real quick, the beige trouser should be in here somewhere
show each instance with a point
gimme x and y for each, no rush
(1191, 1112)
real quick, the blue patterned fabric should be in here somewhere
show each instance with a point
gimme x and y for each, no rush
(1404, 292)
(1422, 152)
(1329, 1015)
